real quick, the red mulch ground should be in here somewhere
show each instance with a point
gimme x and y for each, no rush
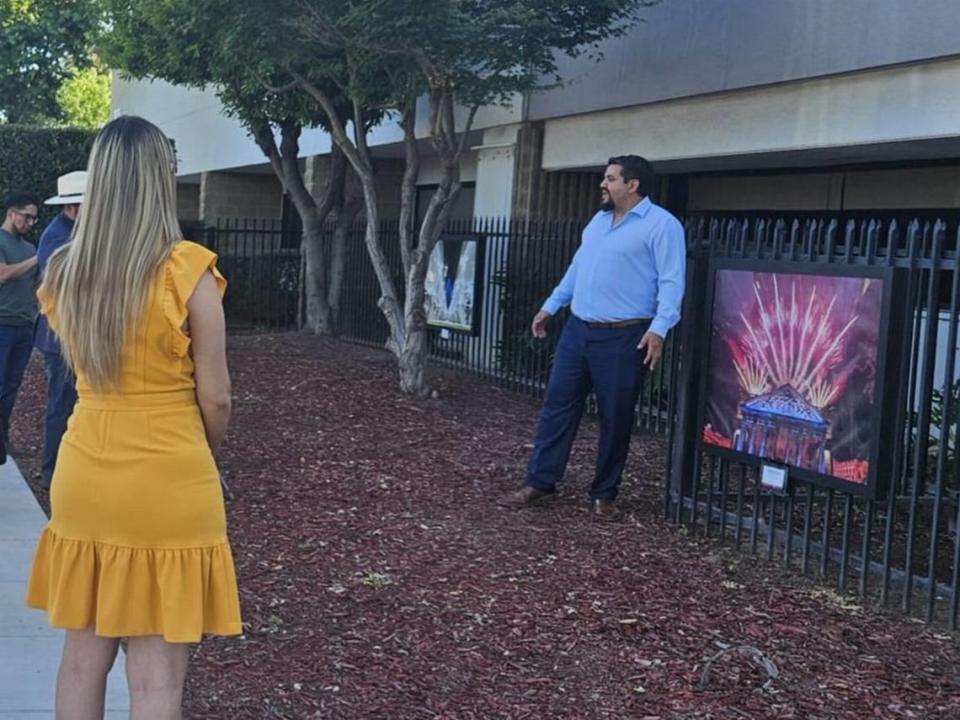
(380, 580)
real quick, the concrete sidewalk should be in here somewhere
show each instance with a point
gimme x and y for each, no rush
(29, 649)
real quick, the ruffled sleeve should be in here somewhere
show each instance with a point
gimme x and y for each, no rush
(185, 266)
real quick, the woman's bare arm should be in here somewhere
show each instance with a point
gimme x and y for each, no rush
(209, 348)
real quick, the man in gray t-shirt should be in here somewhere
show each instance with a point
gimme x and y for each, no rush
(18, 299)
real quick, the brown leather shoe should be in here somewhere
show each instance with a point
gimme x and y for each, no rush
(525, 497)
(605, 508)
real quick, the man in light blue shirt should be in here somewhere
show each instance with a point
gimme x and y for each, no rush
(625, 288)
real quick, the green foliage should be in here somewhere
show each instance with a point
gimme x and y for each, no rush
(84, 98)
(238, 50)
(32, 158)
(379, 53)
(41, 41)
(482, 51)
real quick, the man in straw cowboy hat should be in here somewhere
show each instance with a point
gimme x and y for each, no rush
(61, 393)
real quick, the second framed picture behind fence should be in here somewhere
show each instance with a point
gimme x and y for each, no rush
(802, 369)
(454, 283)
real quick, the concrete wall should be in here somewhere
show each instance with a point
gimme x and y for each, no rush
(703, 85)
(228, 196)
(825, 120)
(188, 202)
(911, 188)
(687, 48)
(574, 194)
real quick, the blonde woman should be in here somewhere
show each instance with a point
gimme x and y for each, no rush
(136, 546)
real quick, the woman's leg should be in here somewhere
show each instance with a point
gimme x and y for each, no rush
(82, 680)
(155, 673)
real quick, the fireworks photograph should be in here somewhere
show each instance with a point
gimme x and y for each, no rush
(792, 372)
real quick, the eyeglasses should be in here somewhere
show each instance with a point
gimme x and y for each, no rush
(27, 216)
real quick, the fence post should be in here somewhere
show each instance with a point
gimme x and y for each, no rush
(689, 350)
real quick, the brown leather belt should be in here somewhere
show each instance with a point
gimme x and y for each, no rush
(618, 323)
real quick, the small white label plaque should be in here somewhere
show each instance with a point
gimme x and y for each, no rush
(773, 477)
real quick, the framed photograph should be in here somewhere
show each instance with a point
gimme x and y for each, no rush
(799, 358)
(454, 283)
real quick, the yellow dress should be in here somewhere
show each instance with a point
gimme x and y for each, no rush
(137, 543)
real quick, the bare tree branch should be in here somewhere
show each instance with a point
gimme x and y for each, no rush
(337, 129)
(263, 136)
(279, 89)
(461, 146)
(360, 129)
(295, 186)
(411, 171)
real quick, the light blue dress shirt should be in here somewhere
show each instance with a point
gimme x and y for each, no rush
(635, 269)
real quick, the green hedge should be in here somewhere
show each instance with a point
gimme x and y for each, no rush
(32, 158)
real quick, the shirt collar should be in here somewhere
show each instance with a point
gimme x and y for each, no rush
(643, 207)
(640, 209)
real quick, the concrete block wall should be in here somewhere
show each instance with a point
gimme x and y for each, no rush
(188, 202)
(228, 196)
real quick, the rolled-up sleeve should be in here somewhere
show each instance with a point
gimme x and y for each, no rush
(670, 258)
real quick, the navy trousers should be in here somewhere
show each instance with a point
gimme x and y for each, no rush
(61, 397)
(607, 361)
(16, 345)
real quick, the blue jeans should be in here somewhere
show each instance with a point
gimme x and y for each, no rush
(607, 361)
(16, 344)
(61, 397)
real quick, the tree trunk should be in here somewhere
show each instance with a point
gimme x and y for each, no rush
(388, 302)
(413, 358)
(413, 362)
(317, 312)
(318, 318)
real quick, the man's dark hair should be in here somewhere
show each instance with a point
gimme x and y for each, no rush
(635, 167)
(19, 200)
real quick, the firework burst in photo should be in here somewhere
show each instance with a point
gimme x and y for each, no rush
(792, 368)
(793, 341)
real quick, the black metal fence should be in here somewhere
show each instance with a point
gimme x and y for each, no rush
(262, 265)
(521, 263)
(901, 551)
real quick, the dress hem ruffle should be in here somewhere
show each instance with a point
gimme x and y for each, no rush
(178, 593)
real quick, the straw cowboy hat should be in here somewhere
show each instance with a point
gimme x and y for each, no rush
(70, 188)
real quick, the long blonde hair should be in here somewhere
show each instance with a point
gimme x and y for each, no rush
(127, 226)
